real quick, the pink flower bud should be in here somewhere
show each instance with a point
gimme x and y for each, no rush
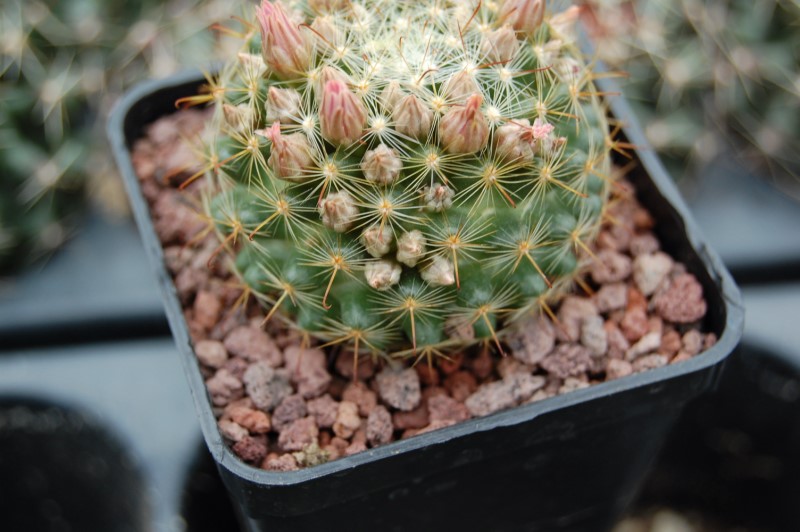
(412, 117)
(438, 197)
(460, 87)
(541, 129)
(512, 141)
(338, 211)
(326, 32)
(283, 105)
(290, 155)
(381, 165)
(283, 46)
(341, 115)
(501, 45)
(411, 247)
(376, 240)
(382, 274)
(523, 15)
(465, 129)
(439, 272)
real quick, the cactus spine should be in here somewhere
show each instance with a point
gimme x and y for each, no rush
(407, 177)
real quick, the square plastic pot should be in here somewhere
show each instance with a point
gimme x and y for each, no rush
(571, 462)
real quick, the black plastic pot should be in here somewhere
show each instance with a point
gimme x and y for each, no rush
(572, 462)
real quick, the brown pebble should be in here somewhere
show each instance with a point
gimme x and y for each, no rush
(611, 296)
(643, 244)
(647, 344)
(682, 356)
(344, 366)
(531, 339)
(251, 449)
(416, 419)
(461, 385)
(634, 324)
(428, 375)
(253, 345)
(444, 408)
(292, 408)
(571, 384)
(502, 394)
(452, 363)
(231, 430)
(594, 336)
(379, 426)
(358, 393)
(670, 343)
(324, 409)
(617, 343)
(308, 370)
(283, 462)
(298, 434)
(649, 362)
(224, 387)
(571, 313)
(207, 309)
(650, 271)
(692, 342)
(347, 420)
(211, 353)
(610, 267)
(508, 365)
(255, 421)
(682, 301)
(266, 386)
(399, 388)
(568, 360)
(617, 368)
(482, 365)
(709, 341)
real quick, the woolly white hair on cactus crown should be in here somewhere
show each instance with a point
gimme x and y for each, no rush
(391, 160)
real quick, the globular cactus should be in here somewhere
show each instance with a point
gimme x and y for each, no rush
(707, 75)
(407, 177)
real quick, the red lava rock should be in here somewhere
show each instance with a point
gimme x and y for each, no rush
(347, 420)
(254, 345)
(344, 366)
(453, 363)
(649, 362)
(508, 365)
(670, 343)
(642, 219)
(355, 448)
(571, 314)
(612, 296)
(416, 419)
(231, 430)
(188, 282)
(242, 413)
(435, 425)
(649, 271)
(568, 360)
(231, 320)
(617, 343)
(358, 393)
(211, 353)
(379, 426)
(571, 384)
(207, 309)
(644, 243)
(709, 341)
(224, 387)
(682, 301)
(308, 370)
(680, 357)
(610, 267)
(266, 386)
(636, 299)
(634, 324)
(532, 339)
(237, 366)
(594, 336)
(458, 328)
(176, 258)
(499, 395)
(324, 409)
(461, 385)
(432, 391)
(444, 408)
(175, 221)
(251, 449)
(692, 342)
(647, 344)
(292, 408)
(298, 434)
(282, 462)
(399, 389)
(655, 324)
(483, 364)
(428, 375)
(617, 368)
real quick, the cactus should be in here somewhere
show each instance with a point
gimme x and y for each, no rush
(705, 75)
(404, 178)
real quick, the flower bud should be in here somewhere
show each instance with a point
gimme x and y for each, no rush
(563, 24)
(439, 272)
(512, 142)
(438, 197)
(382, 274)
(283, 46)
(239, 117)
(377, 240)
(391, 96)
(253, 63)
(283, 105)
(460, 87)
(465, 129)
(541, 129)
(381, 165)
(290, 155)
(411, 247)
(500, 46)
(324, 6)
(412, 117)
(338, 211)
(341, 115)
(326, 32)
(523, 15)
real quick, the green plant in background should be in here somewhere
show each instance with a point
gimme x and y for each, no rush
(407, 177)
(709, 75)
(63, 64)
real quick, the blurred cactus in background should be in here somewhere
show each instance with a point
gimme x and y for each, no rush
(708, 76)
(407, 177)
(63, 64)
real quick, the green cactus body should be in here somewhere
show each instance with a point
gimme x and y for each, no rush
(407, 177)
